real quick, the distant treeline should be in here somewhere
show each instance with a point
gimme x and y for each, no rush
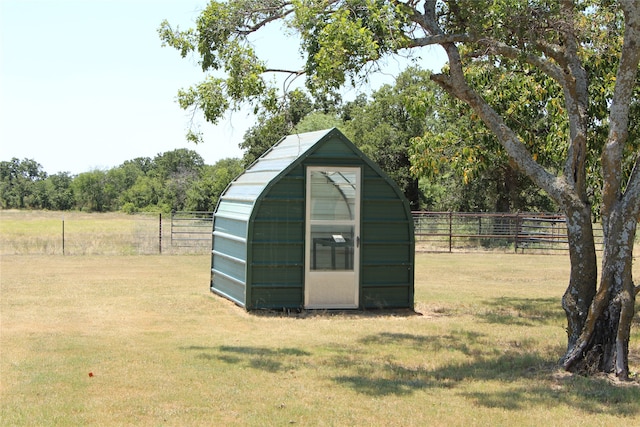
(175, 180)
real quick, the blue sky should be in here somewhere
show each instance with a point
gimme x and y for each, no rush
(87, 84)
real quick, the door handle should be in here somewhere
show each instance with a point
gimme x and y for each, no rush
(358, 242)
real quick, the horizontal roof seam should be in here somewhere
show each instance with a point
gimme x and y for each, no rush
(229, 257)
(230, 236)
(229, 296)
(239, 199)
(384, 284)
(269, 264)
(277, 286)
(386, 264)
(233, 215)
(226, 276)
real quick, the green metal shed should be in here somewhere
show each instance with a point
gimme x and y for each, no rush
(313, 224)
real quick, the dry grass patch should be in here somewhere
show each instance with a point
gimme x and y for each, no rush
(481, 350)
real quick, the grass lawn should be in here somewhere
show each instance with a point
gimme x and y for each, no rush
(139, 340)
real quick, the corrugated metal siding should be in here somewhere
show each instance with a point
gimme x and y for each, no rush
(387, 249)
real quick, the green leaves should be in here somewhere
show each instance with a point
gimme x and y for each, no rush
(341, 39)
(183, 41)
(220, 39)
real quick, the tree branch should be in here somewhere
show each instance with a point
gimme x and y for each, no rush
(547, 67)
(438, 39)
(285, 71)
(619, 115)
(273, 17)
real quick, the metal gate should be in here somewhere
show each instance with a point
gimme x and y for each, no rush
(191, 229)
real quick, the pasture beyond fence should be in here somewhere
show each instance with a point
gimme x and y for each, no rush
(77, 233)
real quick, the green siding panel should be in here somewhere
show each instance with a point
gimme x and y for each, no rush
(231, 247)
(287, 188)
(230, 226)
(278, 253)
(388, 253)
(277, 298)
(391, 297)
(386, 274)
(286, 231)
(380, 210)
(378, 189)
(279, 210)
(230, 267)
(335, 149)
(386, 232)
(229, 288)
(266, 276)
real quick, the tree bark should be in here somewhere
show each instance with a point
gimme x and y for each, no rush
(584, 272)
(603, 342)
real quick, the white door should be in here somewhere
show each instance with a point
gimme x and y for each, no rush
(332, 251)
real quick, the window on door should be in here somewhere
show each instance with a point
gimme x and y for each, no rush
(332, 219)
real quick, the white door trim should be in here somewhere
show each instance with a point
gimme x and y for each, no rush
(327, 287)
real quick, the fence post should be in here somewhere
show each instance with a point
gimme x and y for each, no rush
(515, 237)
(450, 231)
(62, 235)
(160, 233)
(173, 218)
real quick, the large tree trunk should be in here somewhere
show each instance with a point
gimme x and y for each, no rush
(603, 341)
(584, 272)
(603, 344)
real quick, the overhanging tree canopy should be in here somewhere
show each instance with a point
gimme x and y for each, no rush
(561, 40)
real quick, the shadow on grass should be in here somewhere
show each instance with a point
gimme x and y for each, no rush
(526, 379)
(465, 342)
(385, 377)
(591, 395)
(392, 378)
(522, 311)
(263, 358)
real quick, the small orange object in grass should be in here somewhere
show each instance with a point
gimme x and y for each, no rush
(90, 374)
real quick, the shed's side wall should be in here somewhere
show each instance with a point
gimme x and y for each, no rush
(228, 256)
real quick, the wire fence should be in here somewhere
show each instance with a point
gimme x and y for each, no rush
(518, 232)
(77, 233)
